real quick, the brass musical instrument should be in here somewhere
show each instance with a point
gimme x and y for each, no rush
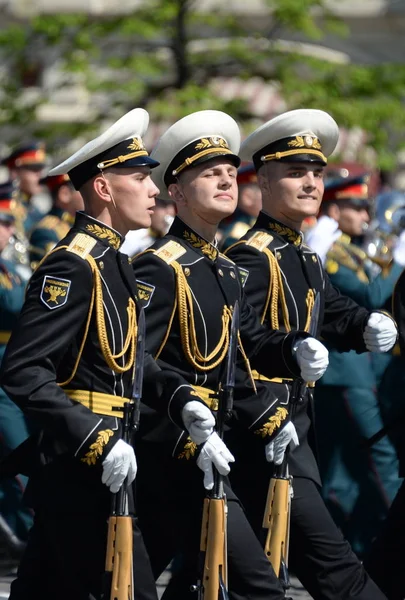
(17, 252)
(383, 231)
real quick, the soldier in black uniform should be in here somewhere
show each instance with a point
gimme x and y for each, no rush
(70, 363)
(189, 289)
(282, 277)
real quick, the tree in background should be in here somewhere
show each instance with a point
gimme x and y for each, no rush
(166, 56)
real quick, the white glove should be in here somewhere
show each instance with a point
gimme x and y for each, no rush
(119, 463)
(214, 452)
(398, 252)
(322, 236)
(312, 358)
(275, 449)
(198, 420)
(380, 333)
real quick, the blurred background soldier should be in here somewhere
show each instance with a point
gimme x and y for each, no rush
(16, 519)
(56, 224)
(162, 218)
(249, 205)
(358, 484)
(26, 164)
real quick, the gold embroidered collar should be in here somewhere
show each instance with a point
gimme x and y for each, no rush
(183, 231)
(291, 236)
(99, 230)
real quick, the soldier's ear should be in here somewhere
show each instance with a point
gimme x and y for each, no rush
(101, 187)
(176, 193)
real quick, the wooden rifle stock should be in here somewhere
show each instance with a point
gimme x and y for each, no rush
(276, 520)
(119, 558)
(213, 546)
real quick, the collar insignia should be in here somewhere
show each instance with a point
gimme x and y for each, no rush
(106, 234)
(200, 244)
(286, 232)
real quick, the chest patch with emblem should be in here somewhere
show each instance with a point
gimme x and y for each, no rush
(145, 292)
(55, 291)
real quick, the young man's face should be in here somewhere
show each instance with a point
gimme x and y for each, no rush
(292, 190)
(209, 190)
(29, 178)
(134, 194)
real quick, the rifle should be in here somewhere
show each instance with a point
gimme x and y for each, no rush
(213, 544)
(118, 576)
(277, 510)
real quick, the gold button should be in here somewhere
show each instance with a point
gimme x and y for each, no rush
(314, 258)
(220, 272)
(233, 274)
(187, 271)
(278, 255)
(101, 264)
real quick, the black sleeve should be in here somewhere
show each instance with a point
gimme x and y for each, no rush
(343, 320)
(270, 351)
(164, 389)
(45, 330)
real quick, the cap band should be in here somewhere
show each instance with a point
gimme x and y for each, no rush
(121, 159)
(279, 155)
(190, 160)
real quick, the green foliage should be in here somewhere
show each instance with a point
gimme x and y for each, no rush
(165, 55)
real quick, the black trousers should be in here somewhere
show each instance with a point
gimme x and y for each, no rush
(170, 501)
(66, 549)
(65, 559)
(386, 560)
(319, 555)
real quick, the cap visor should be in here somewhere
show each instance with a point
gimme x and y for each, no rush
(139, 161)
(311, 158)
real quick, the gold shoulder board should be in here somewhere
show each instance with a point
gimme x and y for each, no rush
(82, 244)
(170, 252)
(260, 240)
